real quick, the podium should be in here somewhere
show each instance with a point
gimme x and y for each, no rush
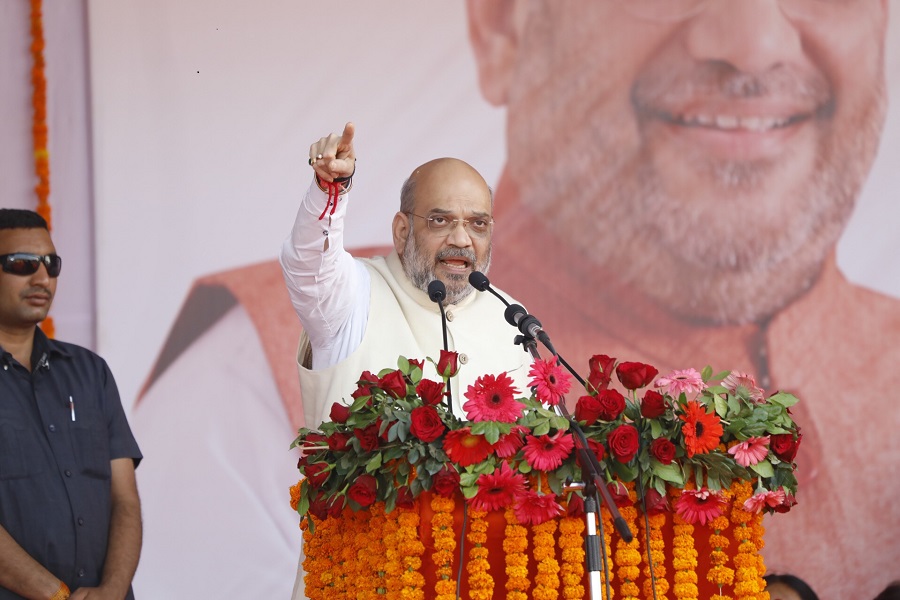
(393, 508)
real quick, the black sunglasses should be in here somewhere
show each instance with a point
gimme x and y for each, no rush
(23, 263)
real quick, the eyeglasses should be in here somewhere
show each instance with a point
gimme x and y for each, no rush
(678, 10)
(477, 227)
(23, 263)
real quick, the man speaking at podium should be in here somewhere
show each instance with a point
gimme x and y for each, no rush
(361, 314)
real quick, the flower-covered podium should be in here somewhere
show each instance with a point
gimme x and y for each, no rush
(402, 499)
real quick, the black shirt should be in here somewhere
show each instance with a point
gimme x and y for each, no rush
(60, 426)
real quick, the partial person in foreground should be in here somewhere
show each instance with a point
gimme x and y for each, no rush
(361, 314)
(70, 515)
(788, 587)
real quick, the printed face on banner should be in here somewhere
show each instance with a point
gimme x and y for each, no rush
(702, 153)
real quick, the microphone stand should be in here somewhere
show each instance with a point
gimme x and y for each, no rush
(593, 484)
(440, 304)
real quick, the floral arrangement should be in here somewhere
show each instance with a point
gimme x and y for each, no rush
(694, 432)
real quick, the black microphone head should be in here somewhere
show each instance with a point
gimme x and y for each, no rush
(436, 291)
(479, 281)
(514, 313)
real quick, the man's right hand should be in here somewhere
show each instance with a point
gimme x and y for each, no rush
(332, 156)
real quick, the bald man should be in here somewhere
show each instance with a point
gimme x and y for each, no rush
(361, 314)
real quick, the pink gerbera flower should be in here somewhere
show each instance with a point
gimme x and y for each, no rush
(750, 451)
(509, 444)
(498, 490)
(493, 399)
(546, 453)
(466, 448)
(550, 381)
(744, 385)
(687, 381)
(757, 502)
(699, 506)
(533, 508)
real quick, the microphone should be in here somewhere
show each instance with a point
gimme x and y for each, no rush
(517, 316)
(480, 282)
(437, 291)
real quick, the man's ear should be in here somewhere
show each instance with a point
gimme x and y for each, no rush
(494, 31)
(400, 230)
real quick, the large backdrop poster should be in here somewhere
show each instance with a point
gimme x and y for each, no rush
(671, 188)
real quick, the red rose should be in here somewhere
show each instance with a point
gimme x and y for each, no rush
(405, 498)
(339, 413)
(612, 403)
(601, 371)
(663, 450)
(653, 405)
(445, 482)
(416, 363)
(426, 424)
(587, 409)
(363, 490)
(784, 446)
(634, 375)
(619, 494)
(789, 501)
(317, 473)
(394, 384)
(656, 502)
(595, 447)
(318, 507)
(575, 506)
(364, 385)
(337, 441)
(368, 437)
(431, 392)
(448, 365)
(623, 443)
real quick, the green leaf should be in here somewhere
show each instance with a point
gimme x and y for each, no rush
(560, 423)
(763, 468)
(542, 428)
(784, 399)
(706, 373)
(670, 473)
(721, 405)
(656, 428)
(413, 456)
(374, 463)
(489, 429)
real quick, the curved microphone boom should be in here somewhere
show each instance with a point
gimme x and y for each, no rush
(480, 282)
(437, 291)
(517, 316)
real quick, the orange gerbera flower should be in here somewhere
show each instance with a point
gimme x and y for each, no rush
(702, 430)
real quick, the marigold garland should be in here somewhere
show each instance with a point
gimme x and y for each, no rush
(411, 549)
(39, 128)
(656, 552)
(628, 557)
(515, 543)
(684, 557)
(481, 584)
(606, 518)
(392, 564)
(546, 580)
(444, 546)
(571, 544)
(318, 560)
(720, 573)
(747, 575)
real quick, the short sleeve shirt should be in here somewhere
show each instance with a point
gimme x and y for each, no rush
(60, 426)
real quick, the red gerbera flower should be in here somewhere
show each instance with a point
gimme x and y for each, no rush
(533, 508)
(702, 431)
(699, 506)
(498, 490)
(546, 453)
(550, 381)
(465, 448)
(492, 399)
(509, 444)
